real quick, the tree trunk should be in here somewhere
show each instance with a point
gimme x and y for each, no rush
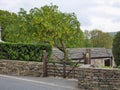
(62, 47)
(65, 55)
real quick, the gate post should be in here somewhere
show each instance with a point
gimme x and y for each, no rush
(44, 59)
(64, 69)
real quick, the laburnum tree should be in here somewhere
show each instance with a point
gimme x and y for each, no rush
(62, 30)
(116, 48)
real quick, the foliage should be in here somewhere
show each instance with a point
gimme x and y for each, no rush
(106, 67)
(101, 39)
(46, 25)
(87, 37)
(56, 28)
(62, 31)
(119, 66)
(29, 52)
(97, 38)
(112, 33)
(20, 30)
(6, 19)
(116, 48)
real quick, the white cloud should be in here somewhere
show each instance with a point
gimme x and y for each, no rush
(105, 16)
(103, 24)
(106, 2)
(106, 10)
(9, 5)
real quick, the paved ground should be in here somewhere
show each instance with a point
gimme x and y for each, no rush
(36, 83)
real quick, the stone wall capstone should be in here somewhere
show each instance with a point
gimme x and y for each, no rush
(98, 79)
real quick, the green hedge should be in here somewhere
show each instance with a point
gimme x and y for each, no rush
(26, 52)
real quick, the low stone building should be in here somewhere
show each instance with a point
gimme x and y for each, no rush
(98, 57)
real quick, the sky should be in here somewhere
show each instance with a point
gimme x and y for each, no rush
(92, 14)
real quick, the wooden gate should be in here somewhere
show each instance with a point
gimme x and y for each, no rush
(60, 69)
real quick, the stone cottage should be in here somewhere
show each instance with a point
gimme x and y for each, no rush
(98, 57)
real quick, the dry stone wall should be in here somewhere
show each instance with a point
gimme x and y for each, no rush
(21, 68)
(56, 70)
(29, 68)
(99, 79)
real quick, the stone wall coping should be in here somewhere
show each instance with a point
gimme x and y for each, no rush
(99, 68)
(19, 61)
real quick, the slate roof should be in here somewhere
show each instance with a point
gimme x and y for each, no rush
(77, 53)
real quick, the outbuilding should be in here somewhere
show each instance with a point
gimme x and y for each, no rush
(97, 57)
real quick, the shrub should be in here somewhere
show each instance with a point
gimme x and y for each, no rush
(28, 52)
